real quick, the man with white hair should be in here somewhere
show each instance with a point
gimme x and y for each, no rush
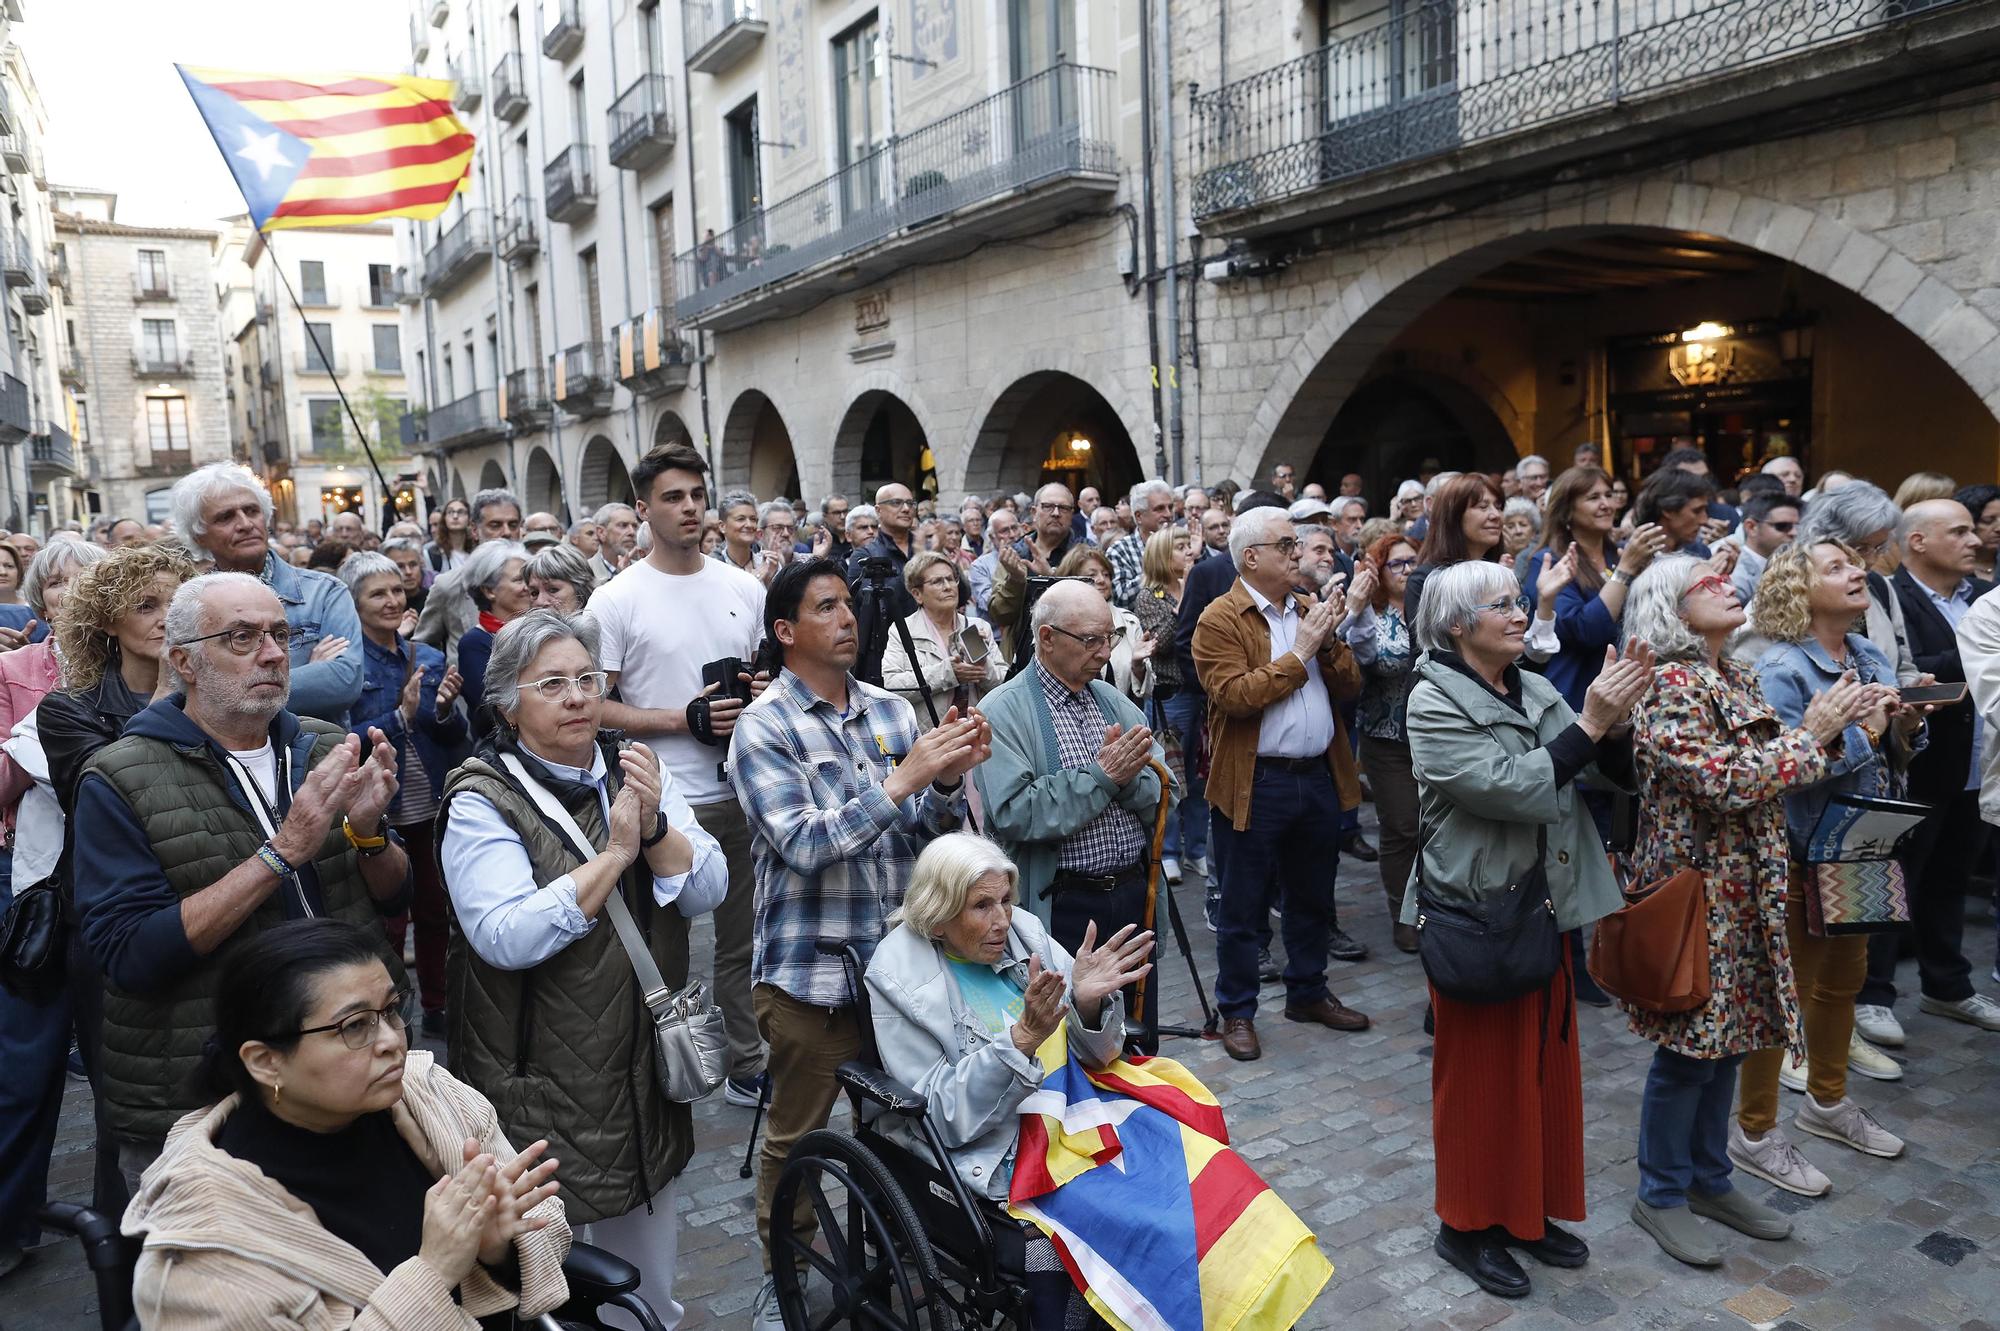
(1790, 471)
(1002, 530)
(1069, 792)
(224, 514)
(347, 526)
(219, 814)
(1280, 774)
(587, 535)
(1532, 472)
(1152, 509)
(620, 525)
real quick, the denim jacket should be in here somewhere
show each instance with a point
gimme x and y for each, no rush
(1792, 673)
(317, 605)
(441, 743)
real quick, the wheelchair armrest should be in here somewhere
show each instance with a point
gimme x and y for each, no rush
(597, 1276)
(871, 1083)
(104, 1244)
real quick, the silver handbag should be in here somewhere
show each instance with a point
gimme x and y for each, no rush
(692, 1048)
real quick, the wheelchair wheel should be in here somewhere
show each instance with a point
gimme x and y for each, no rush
(878, 1271)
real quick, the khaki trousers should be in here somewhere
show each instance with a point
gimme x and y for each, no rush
(1829, 972)
(808, 1044)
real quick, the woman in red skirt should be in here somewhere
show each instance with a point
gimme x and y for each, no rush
(1496, 753)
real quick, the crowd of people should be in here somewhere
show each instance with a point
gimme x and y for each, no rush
(306, 793)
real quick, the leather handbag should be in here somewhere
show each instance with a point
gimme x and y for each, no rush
(687, 1028)
(1652, 953)
(1495, 947)
(34, 943)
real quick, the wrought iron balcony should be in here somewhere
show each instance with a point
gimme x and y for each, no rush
(17, 263)
(14, 151)
(583, 380)
(520, 237)
(409, 286)
(172, 363)
(35, 295)
(16, 421)
(524, 400)
(309, 362)
(569, 185)
(718, 33)
(642, 123)
(1425, 77)
(51, 452)
(650, 356)
(510, 88)
(562, 33)
(472, 419)
(468, 87)
(1025, 157)
(413, 429)
(459, 251)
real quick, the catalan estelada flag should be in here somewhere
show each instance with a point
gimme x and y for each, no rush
(335, 150)
(1129, 1173)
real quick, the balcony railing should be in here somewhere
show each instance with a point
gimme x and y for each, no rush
(35, 295)
(309, 362)
(1420, 79)
(569, 186)
(641, 122)
(562, 35)
(473, 418)
(172, 363)
(583, 380)
(68, 367)
(50, 449)
(465, 245)
(520, 237)
(510, 88)
(650, 356)
(16, 419)
(409, 286)
(14, 151)
(470, 87)
(1060, 123)
(718, 33)
(152, 286)
(525, 399)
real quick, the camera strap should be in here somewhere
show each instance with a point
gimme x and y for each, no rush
(910, 650)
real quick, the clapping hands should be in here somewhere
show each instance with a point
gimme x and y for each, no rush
(1607, 707)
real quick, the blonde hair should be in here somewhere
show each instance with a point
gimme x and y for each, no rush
(1782, 608)
(1157, 562)
(103, 594)
(1072, 565)
(944, 876)
(1919, 486)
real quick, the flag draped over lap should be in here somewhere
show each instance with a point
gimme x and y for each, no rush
(335, 150)
(1163, 1227)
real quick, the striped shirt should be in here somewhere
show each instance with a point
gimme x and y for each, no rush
(832, 852)
(1111, 842)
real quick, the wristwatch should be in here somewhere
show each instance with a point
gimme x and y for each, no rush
(1616, 575)
(660, 830)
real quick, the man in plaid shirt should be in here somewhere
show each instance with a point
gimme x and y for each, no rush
(840, 791)
(1152, 508)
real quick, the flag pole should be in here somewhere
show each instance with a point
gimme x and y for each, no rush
(390, 510)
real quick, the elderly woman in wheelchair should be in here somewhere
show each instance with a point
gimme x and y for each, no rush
(965, 989)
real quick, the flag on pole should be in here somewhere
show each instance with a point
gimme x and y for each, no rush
(335, 150)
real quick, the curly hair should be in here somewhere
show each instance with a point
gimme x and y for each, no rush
(103, 594)
(1782, 608)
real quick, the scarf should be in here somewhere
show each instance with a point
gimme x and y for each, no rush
(489, 623)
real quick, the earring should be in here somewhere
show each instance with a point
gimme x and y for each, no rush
(278, 1093)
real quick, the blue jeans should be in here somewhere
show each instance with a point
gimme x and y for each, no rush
(1284, 844)
(34, 1051)
(1187, 830)
(1684, 1127)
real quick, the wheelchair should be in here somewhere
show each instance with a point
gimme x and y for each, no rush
(908, 1246)
(597, 1279)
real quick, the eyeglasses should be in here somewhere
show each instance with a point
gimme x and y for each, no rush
(1287, 547)
(1400, 565)
(1053, 509)
(357, 1030)
(895, 503)
(554, 688)
(1870, 549)
(1714, 584)
(1094, 641)
(940, 584)
(243, 639)
(1506, 604)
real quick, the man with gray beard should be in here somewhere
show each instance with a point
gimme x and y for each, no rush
(217, 815)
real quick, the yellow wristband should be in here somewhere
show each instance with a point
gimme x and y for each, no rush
(376, 842)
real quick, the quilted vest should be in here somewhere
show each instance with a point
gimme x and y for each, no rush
(153, 1042)
(564, 1049)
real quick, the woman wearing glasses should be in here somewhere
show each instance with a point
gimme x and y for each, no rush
(1380, 638)
(454, 538)
(547, 1018)
(1496, 753)
(339, 1180)
(939, 632)
(1130, 669)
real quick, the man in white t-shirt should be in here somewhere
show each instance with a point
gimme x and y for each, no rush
(664, 618)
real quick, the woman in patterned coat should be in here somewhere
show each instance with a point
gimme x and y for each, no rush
(1714, 763)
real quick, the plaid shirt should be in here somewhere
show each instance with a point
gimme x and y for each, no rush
(832, 852)
(1128, 568)
(1112, 841)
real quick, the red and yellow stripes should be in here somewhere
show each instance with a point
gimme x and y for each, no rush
(382, 146)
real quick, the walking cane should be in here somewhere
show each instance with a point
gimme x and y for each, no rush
(1143, 991)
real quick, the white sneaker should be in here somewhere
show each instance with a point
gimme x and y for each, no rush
(1850, 1125)
(1878, 1025)
(764, 1314)
(1978, 1010)
(1792, 1072)
(1869, 1061)
(1776, 1160)
(1170, 869)
(1199, 863)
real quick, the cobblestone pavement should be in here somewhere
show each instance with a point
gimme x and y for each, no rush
(1340, 1126)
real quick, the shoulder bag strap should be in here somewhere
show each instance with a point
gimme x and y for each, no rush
(650, 980)
(910, 650)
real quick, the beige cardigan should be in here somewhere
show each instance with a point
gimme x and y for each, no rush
(226, 1249)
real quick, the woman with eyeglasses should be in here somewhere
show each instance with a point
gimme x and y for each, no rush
(547, 1018)
(1715, 762)
(454, 540)
(339, 1179)
(1496, 752)
(1380, 637)
(1130, 669)
(940, 632)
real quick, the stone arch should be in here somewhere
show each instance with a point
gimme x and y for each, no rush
(757, 450)
(1448, 374)
(1328, 360)
(458, 490)
(978, 467)
(671, 429)
(1026, 424)
(602, 478)
(491, 477)
(541, 483)
(845, 470)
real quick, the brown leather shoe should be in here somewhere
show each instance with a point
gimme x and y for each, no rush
(1239, 1039)
(1329, 1012)
(1405, 936)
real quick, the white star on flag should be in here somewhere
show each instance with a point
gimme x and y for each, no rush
(264, 152)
